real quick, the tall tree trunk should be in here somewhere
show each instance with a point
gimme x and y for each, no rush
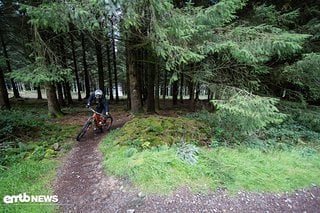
(191, 90)
(135, 91)
(5, 53)
(100, 65)
(39, 94)
(114, 62)
(60, 94)
(150, 71)
(157, 87)
(165, 86)
(75, 66)
(67, 92)
(85, 66)
(197, 92)
(127, 75)
(109, 72)
(181, 88)
(53, 104)
(175, 92)
(4, 98)
(66, 84)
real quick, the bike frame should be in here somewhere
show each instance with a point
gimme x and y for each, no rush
(98, 120)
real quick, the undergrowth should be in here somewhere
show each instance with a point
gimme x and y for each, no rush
(276, 158)
(155, 131)
(26, 135)
(162, 170)
(30, 142)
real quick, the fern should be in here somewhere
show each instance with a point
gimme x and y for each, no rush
(188, 152)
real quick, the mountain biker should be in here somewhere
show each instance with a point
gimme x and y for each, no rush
(98, 98)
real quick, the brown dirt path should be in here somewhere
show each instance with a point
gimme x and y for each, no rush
(82, 186)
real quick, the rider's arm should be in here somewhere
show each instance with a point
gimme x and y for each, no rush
(90, 99)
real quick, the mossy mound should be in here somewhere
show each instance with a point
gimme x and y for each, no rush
(157, 130)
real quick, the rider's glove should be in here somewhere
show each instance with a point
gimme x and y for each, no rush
(88, 105)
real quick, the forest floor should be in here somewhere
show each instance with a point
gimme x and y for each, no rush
(83, 186)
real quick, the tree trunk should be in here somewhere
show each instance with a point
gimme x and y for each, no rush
(175, 92)
(60, 95)
(135, 90)
(127, 75)
(4, 98)
(85, 66)
(114, 62)
(109, 72)
(165, 86)
(197, 92)
(39, 93)
(181, 88)
(5, 53)
(67, 92)
(66, 85)
(157, 87)
(100, 65)
(75, 66)
(150, 84)
(53, 104)
(191, 90)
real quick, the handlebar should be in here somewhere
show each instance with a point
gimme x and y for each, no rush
(90, 108)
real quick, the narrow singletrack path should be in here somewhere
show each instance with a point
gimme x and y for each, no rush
(83, 186)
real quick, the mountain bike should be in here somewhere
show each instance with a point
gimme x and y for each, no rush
(98, 120)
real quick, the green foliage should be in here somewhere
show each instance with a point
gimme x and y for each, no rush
(40, 72)
(18, 124)
(53, 15)
(2, 61)
(187, 152)
(162, 170)
(293, 134)
(26, 134)
(144, 133)
(246, 113)
(180, 38)
(306, 73)
(269, 15)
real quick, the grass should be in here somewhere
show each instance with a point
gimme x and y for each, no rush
(28, 160)
(31, 177)
(160, 170)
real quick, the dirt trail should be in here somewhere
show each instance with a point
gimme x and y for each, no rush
(82, 186)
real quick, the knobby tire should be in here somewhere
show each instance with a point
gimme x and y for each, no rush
(84, 130)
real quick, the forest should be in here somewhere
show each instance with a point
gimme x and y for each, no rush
(209, 94)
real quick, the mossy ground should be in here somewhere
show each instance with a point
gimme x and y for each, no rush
(154, 131)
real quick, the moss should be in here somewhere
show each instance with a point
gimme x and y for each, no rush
(157, 130)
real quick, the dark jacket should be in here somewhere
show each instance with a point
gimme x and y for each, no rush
(102, 103)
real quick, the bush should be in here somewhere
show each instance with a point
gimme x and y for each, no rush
(18, 124)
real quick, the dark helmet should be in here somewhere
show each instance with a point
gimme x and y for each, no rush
(98, 93)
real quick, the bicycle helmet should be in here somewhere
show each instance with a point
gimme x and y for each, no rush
(98, 93)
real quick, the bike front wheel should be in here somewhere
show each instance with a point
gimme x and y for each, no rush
(84, 129)
(108, 123)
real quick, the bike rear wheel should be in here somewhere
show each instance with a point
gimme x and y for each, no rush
(84, 129)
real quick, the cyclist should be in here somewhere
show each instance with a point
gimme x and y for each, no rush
(98, 98)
